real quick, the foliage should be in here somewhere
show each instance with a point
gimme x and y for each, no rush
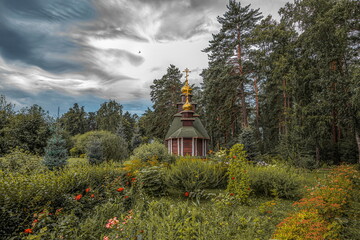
(227, 80)
(55, 152)
(94, 151)
(29, 129)
(21, 162)
(47, 189)
(152, 180)
(280, 180)
(167, 219)
(247, 138)
(319, 210)
(151, 151)
(108, 116)
(189, 174)
(165, 93)
(74, 120)
(113, 147)
(239, 182)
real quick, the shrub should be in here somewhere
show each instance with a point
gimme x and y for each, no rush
(319, 212)
(94, 151)
(151, 151)
(113, 147)
(275, 179)
(21, 162)
(55, 152)
(238, 184)
(189, 174)
(152, 180)
(36, 191)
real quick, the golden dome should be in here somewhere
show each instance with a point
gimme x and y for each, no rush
(187, 105)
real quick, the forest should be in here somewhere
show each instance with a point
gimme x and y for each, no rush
(280, 100)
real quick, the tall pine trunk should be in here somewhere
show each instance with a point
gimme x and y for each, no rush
(256, 89)
(242, 87)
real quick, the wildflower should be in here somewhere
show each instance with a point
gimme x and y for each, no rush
(186, 194)
(106, 238)
(133, 179)
(232, 194)
(35, 221)
(232, 178)
(87, 190)
(28, 230)
(125, 197)
(78, 197)
(92, 195)
(59, 210)
(120, 189)
(234, 157)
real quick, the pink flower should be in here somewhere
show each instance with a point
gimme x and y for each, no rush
(106, 238)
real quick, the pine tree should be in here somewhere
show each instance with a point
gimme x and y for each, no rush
(165, 93)
(226, 79)
(74, 120)
(55, 152)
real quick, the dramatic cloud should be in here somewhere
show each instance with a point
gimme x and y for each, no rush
(63, 51)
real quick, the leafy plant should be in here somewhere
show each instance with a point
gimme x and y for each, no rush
(150, 151)
(188, 174)
(282, 179)
(239, 183)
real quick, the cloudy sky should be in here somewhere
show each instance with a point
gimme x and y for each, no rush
(58, 52)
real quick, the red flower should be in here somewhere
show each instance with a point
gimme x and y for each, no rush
(78, 197)
(126, 197)
(92, 195)
(127, 183)
(232, 178)
(28, 230)
(232, 194)
(133, 179)
(186, 194)
(87, 190)
(120, 189)
(234, 157)
(35, 221)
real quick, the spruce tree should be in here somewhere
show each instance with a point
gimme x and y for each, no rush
(55, 152)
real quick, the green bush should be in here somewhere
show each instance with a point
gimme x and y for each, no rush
(152, 180)
(189, 174)
(94, 151)
(152, 151)
(49, 189)
(280, 180)
(113, 147)
(21, 162)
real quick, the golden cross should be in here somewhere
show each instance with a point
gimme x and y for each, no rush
(187, 73)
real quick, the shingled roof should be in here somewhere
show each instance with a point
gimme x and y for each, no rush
(177, 130)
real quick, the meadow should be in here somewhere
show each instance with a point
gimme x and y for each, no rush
(152, 196)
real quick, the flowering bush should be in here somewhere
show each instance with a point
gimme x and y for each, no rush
(318, 210)
(238, 184)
